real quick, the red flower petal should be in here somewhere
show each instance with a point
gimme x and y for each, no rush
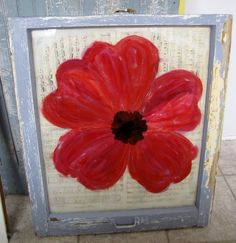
(75, 77)
(66, 112)
(93, 157)
(127, 69)
(173, 102)
(161, 159)
(112, 71)
(142, 59)
(179, 114)
(79, 101)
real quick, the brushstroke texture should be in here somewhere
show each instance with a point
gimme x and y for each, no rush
(121, 79)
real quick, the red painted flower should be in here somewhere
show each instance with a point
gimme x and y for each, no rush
(122, 116)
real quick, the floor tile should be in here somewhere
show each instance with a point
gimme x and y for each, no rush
(18, 210)
(218, 171)
(29, 238)
(232, 183)
(227, 160)
(224, 241)
(19, 214)
(141, 237)
(222, 227)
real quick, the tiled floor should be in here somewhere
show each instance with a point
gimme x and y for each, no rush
(222, 228)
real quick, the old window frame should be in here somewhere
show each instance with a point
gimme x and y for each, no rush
(47, 223)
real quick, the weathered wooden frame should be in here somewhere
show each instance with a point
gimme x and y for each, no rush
(126, 220)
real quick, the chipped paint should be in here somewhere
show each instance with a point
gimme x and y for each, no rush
(216, 107)
(217, 102)
(214, 119)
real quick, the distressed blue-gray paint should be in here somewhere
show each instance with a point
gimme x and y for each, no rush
(14, 164)
(30, 8)
(101, 222)
(203, 200)
(217, 55)
(106, 7)
(8, 161)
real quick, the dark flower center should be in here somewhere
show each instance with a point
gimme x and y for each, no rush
(128, 127)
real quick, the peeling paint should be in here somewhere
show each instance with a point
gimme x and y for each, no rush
(214, 117)
(217, 103)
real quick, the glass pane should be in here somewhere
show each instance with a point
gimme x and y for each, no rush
(179, 48)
